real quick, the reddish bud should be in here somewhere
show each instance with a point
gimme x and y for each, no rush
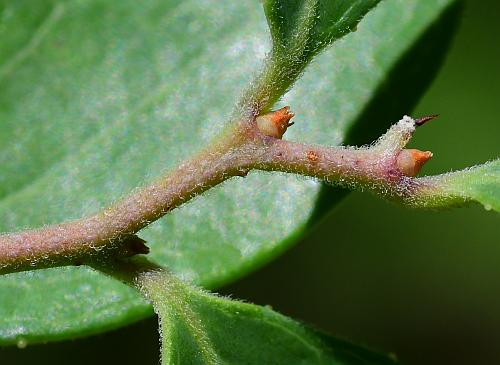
(275, 123)
(410, 161)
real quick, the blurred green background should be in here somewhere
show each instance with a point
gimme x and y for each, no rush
(424, 285)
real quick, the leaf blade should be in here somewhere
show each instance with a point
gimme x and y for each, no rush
(479, 184)
(199, 327)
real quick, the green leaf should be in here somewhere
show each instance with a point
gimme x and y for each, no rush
(308, 26)
(301, 29)
(97, 97)
(200, 328)
(480, 184)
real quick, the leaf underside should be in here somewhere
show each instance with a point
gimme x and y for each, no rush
(100, 96)
(308, 26)
(480, 184)
(201, 328)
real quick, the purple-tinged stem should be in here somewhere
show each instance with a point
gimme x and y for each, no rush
(110, 234)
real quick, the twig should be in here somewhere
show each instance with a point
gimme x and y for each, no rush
(385, 167)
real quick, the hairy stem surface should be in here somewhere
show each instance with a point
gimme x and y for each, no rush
(385, 167)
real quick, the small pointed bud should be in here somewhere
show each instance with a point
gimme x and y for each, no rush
(275, 123)
(410, 161)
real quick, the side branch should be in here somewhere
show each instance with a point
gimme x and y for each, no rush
(385, 167)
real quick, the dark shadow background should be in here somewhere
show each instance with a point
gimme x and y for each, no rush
(425, 285)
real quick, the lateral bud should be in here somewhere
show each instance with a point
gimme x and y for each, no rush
(410, 161)
(275, 123)
(134, 245)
